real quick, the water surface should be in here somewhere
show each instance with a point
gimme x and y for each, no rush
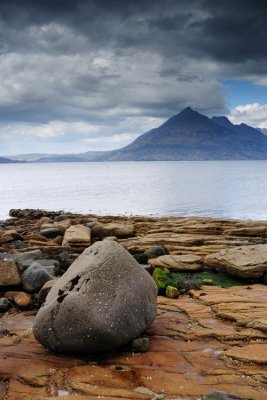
(235, 189)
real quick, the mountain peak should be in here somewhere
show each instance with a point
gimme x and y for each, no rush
(188, 111)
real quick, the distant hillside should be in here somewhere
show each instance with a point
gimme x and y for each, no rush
(4, 160)
(188, 135)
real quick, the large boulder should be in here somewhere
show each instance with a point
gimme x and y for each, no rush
(103, 301)
(244, 261)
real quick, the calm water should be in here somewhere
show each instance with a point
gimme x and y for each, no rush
(211, 188)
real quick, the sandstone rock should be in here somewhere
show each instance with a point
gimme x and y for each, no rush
(254, 352)
(35, 277)
(184, 262)
(87, 310)
(9, 274)
(10, 235)
(155, 251)
(113, 229)
(77, 236)
(249, 231)
(22, 299)
(244, 261)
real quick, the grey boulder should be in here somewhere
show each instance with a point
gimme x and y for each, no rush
(35, 276)
(103, 301)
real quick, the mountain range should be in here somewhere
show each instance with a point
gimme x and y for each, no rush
(188, 135)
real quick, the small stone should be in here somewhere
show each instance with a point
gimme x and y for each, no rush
(172, 292)
(4, 304)
(35, 277)
(23, 300)
(220, 395)
(9, 274)
(50, 233)
(207, 281)
(140, 345)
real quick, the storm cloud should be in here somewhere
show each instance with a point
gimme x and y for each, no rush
(118, 67)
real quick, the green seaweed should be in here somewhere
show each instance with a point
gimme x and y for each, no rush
(184, 281)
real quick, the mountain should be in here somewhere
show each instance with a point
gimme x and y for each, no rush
(193, 136)
(263, 130)
(4, 160)
(188, 135)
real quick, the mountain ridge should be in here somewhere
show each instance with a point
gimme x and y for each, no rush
(188, 135)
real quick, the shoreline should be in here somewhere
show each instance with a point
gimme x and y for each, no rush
(208, 339)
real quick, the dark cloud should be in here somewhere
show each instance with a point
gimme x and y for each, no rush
(105, 61)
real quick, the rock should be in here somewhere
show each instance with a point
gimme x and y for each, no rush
(28, 255)
(184, 262)
(77, 237)
(22, 299)
(155, 251)
(45, 289)
(245, 261)
(100, 288)
(42, 261)
(172, 292)
(254, 352)
(113, 229)
(35, 277)
(250, 232)
(10, 236)
(4, 304)
(50, 233)
(219, 395)
(140, 345)
(61, 227)
(9, 274)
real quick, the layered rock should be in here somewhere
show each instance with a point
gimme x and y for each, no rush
(245, 261)
(193, 352)
(87, 310)
(185, 262)
(77, 236)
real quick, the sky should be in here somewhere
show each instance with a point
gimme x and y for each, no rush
(86, 75)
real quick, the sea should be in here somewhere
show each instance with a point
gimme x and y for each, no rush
(232, 189)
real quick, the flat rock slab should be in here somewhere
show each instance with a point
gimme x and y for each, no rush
(77, 235)
(9, 274)
(192, 352)
(244, 261)
(254, 352)
(184, 262)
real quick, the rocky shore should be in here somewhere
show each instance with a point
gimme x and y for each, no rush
(210, 334)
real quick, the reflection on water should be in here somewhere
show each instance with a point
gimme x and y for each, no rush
(211, 188)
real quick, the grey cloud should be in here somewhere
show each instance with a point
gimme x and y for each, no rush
(103, 61)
